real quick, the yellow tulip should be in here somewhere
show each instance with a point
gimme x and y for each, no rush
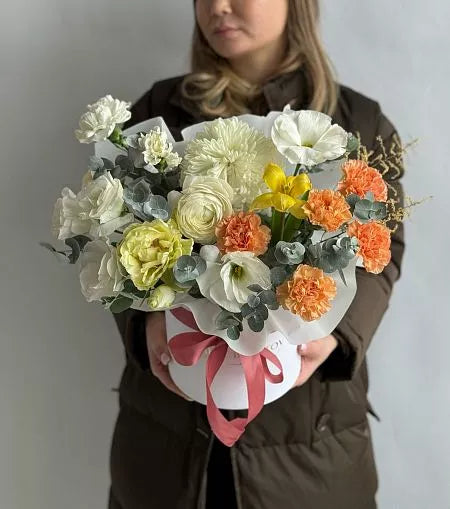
(285, 191)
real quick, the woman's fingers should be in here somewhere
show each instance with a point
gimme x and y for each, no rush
(158, 351)
(156, 336)
(161, 372)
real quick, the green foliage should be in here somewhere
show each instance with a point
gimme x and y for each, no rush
(188, 268)
(289, 253)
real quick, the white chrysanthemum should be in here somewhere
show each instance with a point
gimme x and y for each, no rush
(233, 151)
(307, 137)
(98, 123)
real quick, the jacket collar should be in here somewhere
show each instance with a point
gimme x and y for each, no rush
(287, 88)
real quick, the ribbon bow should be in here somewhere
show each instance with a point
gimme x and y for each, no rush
(187, 347)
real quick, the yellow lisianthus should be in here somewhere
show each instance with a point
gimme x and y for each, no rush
(149, 249)
(285, 191)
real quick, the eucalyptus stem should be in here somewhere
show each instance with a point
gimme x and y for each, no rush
(332, 237)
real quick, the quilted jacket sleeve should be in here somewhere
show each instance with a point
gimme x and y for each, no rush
(356, 329)
(131, 323)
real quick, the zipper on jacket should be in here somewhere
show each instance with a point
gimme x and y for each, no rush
(234, 468)
(201, 504)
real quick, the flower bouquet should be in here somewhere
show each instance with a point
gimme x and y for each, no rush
(247, 233)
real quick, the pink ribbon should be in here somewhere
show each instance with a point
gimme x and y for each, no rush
(187, 347)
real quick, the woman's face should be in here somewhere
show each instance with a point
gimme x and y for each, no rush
(234, 28)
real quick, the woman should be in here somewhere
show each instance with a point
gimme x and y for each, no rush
(312, 448)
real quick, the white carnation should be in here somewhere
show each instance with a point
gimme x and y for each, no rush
(68, 218)
(98, 123)
(227, 283)
(173, 159)
(102, 198)
(100, 272)
(307, 137)
(96, 210)
(155, 148)
(233, 151)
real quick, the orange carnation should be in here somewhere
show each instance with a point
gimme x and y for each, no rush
(308, 293)
(242, 232)
(360, 178)
(327, 208)
(374, 244)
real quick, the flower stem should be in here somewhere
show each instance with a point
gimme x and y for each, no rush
(277, 225)
(297, 169)
(291, 225)
(283, 222)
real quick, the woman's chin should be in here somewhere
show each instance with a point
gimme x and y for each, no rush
(231, 51)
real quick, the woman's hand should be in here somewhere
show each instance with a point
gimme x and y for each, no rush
(158, 351)
(313, 354)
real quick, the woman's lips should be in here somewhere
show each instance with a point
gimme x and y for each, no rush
(225, 31)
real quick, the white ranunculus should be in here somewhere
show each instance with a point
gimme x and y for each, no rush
(226, 283)
(307, 137)
(68, 217)
(100, 272)
(100, 120)
(203, 203)
(233, 151)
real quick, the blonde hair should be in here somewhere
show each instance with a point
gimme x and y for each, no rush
(218, 91)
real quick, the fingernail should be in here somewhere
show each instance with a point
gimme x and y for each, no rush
(303, 347)
(165, 358)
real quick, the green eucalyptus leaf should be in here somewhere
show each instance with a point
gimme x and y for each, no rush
(255, 323)
(109, 165)
(262, 312)
(255, 288)
(156, 207)
(289, 253)
(82, 240)
(125, 163)
(75, 249)
(278, 275)
(130, 288)
(187, 268)
(233, 333)
(341, 273)
(352, 143)
(120, 304)
(253, 301)
(268, 297)
(246, 311)
(352, 199)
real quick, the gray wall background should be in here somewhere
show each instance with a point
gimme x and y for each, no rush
(60, 357)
